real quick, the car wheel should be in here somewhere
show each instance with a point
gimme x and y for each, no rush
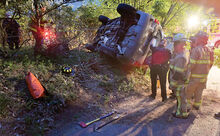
(126, 10)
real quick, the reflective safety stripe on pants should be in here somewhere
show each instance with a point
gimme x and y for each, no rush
(178, 111)
(179, 69)
(195, 88)
(181, 102)
(201, 77)
(197, 104)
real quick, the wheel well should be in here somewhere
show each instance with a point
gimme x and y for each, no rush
(217, 44)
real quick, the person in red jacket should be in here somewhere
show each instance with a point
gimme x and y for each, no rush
(159, 67)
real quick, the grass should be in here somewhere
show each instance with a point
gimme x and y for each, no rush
(15, 96)
(33, 128)
(4, 101)
(106, 99)
(126, 86)
(108, 86)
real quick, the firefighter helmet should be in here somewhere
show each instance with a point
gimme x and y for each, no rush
(67, 70)
(202, 37)
(179, 37)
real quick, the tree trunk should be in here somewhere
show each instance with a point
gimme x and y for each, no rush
(37, 35)
(170, 11)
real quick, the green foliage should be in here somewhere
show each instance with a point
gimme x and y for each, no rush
(106, 99)
(172, 14)
(63, 16)
(160, 8)
(89, 16)
(126, 86)
(4, 102)
(16, 8)
(108, 86)
(217, 57)
(14, 69)
(83, 23)
(33, 127)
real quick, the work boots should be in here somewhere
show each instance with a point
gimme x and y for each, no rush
(181, 116)
(196, 107)
(217, 115)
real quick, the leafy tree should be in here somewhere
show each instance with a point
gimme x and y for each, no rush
(170, 13)
(33, 9)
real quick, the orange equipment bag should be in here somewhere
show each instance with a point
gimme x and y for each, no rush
(34, 86)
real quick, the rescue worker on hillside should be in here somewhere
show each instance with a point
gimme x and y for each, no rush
(11, 27)
(159, 67)
(178, 74)
(201, 61)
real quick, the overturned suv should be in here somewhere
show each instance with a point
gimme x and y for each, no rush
(127, 38)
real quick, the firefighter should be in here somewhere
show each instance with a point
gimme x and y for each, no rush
(159, 67)
(178, 74)
(11, 27)
(201, 61)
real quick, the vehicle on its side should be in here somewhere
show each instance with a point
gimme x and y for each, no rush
(127, 38)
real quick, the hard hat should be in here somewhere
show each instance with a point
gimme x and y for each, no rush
(202, 37)
(192, 38)
(66, 69)
(179, 37)
(202, 34)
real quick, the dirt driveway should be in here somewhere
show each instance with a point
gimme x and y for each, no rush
(143, 116)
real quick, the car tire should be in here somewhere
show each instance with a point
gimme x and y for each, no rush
(126, 10)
